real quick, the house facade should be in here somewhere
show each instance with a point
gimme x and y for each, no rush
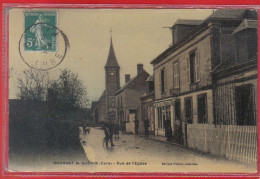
(128, 100)
(235, 82)
(183, 77)
(147, 100)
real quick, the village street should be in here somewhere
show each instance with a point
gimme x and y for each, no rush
(146, 155)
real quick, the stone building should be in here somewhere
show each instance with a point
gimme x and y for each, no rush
(128, 100)
(105, 107)
(147, 100)
(99, 108)
(183, 72)
(235, 81)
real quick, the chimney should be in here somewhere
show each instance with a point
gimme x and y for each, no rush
(140, 68)
(127, 78)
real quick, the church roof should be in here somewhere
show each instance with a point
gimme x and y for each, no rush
(111, 59)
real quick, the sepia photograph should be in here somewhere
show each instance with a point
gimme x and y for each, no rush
(132, 90)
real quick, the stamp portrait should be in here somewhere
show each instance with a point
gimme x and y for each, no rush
(40, 34)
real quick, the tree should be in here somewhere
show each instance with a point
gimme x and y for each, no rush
(68, 92)
(33, 85)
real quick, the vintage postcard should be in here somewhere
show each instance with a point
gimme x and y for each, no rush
(132, 90)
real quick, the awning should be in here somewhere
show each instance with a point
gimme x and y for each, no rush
(246, 24)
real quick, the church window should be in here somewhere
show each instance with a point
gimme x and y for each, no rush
(112, 103)
(112, 75)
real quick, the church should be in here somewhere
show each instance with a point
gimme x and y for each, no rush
(104, 108)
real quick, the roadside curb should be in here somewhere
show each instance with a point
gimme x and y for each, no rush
(167, 142)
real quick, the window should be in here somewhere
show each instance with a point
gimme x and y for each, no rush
(120, 100)
(245, 105)
(193, 67)
(202, 109)
(188, 110)
(197, 66)
(162, 80)
(178, 109)
(112, 103)
(151, 86)
(117, 101)
(176, 75)
(163, 113)
(112, 75)
(160, 123)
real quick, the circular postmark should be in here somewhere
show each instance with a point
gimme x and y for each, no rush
(43, 46)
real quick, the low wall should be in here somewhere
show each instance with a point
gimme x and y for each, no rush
(231, 141)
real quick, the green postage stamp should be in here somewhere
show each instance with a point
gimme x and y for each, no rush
(40, 31)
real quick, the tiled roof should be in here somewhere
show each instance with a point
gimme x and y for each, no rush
(246, 24)
(220, 14)
(129, 82)
(229, 13)
(188, 22)
(150, 78)
(111, 59)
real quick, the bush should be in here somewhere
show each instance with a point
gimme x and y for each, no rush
(34, 135)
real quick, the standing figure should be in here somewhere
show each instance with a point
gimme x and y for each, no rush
(107, 133)
(136, 126)
(116, 129)
(84, 128)
(146, 126)
(123, 127)
(111, 130)
(168, 129)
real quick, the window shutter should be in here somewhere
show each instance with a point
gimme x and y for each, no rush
(160, 84)
(197, 66)
(174, 76)
(177, 75)
(188, 69)
(165, 79)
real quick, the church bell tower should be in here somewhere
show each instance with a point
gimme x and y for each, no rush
(112, 80)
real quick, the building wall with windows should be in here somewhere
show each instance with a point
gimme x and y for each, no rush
(177, 65)
(183, 72)
(236, 95)
(128, 100)
(182, 79)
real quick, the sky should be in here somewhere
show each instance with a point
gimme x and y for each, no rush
(139, 36)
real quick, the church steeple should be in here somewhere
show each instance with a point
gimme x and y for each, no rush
(112, 77)
(111, 59)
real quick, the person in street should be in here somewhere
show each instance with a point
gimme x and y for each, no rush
(111, 130)
(107, 133)
(146, 126)
(168, 129)
(123, 127)
(116, 129)
(84, 127)
(136, 126)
